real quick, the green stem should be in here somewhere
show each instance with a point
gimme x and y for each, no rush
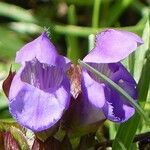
(86, 31)
(79, 31)
(72, 18)
(96, 10)
(72, 42)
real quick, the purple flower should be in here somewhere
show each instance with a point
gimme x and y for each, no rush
(111, 47)
(40, 90)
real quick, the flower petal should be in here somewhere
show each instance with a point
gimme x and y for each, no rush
(34, 108)
(63, 62)
(90, 114)
(82, 115)
(116, 108)
(42, 49)
(92, 90)
(112, 46)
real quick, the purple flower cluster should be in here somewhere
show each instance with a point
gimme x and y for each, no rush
(40, 91)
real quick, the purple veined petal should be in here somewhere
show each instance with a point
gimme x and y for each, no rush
(37, 104)
(92, 90)
(42, 76)
(42, 49)
(112, 46)
(116, 108)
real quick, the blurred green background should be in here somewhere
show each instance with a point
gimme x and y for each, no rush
(71, 25)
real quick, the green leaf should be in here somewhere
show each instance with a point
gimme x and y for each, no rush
(131, 61)
(15, 12)
(7, 47)
(127, 130)
(132, 124)
(141, 51)
(118, 88)
(112, 130)
(5, 125)
(4, 113)
(20, 138)
(91, 42)
(120, 6)
(121, 145)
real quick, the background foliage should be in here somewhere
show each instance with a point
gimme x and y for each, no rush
(71, 25)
